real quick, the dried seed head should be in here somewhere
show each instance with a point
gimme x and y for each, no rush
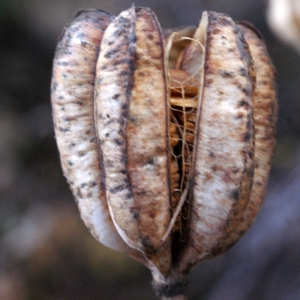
(168, 154)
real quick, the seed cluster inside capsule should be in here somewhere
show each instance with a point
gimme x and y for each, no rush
(184, 85)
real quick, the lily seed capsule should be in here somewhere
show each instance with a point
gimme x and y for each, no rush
(165, 138)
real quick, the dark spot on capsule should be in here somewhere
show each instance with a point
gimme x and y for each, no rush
(83, 185)
(118, 188)
(81, 153)
(235, 194)
(109, 122)
(128, 196)
(81, 103)
(150, 161)
(80, 35)
(146, 242)
(235, 170)
(92, 184)
(121, 121)
(124, 73)
(216, 30)
(243, 71)
(251, 155)
(124, 106)
(65, 63)
(208, 82)
(111, 53)
(131, 119)
(107, 116)
(126, 180)
(239, 116)
(263, 82)
(225, 74)
(250, 172)
(211, 154)
(150, 36)
(238, 85)
(121, 132)
(151, 213)
(246, 136)
(123, 172)
(123, 61)
(124, 22)
(134, 212)
(243, 103)
(84, 44)
(107, 134)
(116, 96)
(70, 163)
(227, 223)
(249, 124)
(133, 38)
(118, 142)
(78, 193)
(54, 86)
(118, 32)
(69, 118)
(63, 129)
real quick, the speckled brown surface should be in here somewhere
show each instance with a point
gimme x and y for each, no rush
(69, 263)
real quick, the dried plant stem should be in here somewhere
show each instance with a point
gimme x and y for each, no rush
(170, 288)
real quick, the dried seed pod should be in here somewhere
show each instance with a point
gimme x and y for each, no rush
(185, 132)
(265, 117)
(72, 91)
(223, 167)
(134, 152)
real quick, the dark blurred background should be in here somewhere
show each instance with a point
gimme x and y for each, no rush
(45, 250)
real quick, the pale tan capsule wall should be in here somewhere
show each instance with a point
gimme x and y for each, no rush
(45, 249)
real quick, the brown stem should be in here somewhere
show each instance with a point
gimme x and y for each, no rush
(170, 288)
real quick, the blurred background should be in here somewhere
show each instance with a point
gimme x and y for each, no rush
(45, 250)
